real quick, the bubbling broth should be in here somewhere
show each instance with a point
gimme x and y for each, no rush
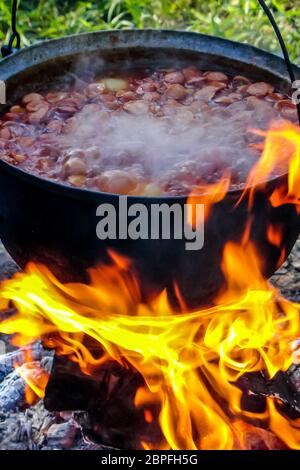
(147, 133)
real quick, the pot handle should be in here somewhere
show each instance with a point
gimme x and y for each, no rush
(8, 49)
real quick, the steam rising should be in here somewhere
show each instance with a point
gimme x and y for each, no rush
(174, 142)
(155, 146)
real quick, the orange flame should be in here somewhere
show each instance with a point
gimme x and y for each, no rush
(207, 195)
(281, 155)
(274, 235)
(34, 376)
(36, 380)
(250, 329)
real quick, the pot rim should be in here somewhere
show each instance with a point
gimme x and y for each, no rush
(229, 43)
(87, 194)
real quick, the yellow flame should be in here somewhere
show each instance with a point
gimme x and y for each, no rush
(249, 330)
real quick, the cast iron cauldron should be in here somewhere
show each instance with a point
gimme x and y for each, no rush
(48, 222)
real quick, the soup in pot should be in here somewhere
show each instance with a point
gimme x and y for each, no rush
(147, 133)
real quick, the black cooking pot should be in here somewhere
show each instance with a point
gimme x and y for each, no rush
(48, 222)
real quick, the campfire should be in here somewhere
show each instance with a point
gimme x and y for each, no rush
(170, 376)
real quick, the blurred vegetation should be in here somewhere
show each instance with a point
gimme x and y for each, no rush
(241, 20)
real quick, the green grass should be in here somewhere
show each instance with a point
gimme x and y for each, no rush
(242, 20)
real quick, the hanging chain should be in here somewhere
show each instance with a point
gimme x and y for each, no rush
(282, 45)
(9, 48)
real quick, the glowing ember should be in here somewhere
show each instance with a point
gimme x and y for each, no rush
(190, 361)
